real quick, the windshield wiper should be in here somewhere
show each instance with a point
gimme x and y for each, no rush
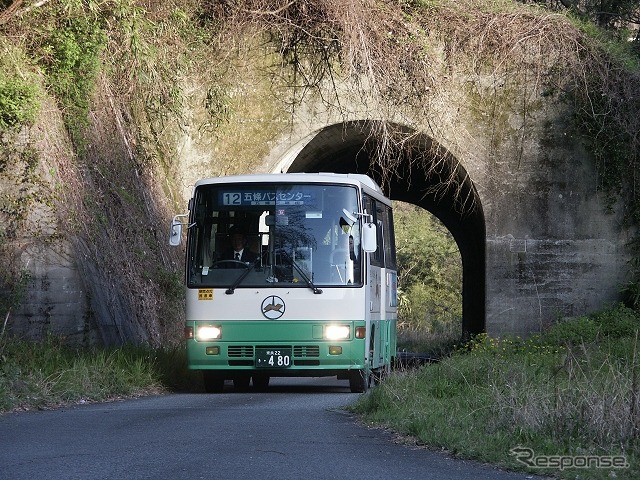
(235, 284)
(310, 284)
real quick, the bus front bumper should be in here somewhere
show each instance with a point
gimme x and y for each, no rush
(277, 350)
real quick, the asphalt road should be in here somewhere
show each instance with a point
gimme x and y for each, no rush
(297, 430)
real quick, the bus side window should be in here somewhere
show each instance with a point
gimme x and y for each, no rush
(389, 239)
(373, 208)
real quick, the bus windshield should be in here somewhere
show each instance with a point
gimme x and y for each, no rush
(247, 235)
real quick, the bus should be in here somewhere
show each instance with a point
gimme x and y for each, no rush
(314, 292)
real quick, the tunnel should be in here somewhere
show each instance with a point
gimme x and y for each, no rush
(412, 168)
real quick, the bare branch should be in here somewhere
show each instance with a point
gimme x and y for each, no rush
(13, 10)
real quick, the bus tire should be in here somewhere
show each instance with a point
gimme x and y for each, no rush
(213, 382)
(359, 381)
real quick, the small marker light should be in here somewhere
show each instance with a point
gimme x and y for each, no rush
(335, 350)
(213, 350)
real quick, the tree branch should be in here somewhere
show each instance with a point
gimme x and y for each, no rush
(12, 10)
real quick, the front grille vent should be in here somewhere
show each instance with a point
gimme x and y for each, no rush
(306, 351)
(242, 351)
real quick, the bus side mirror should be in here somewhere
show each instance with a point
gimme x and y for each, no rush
(369, 238)
(175, 234)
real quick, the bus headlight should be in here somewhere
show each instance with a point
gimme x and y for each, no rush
(336, 332)
(207, 332)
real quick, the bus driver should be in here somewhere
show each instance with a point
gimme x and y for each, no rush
(239, 250)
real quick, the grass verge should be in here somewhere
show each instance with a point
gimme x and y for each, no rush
(566, 400)
(49, 374)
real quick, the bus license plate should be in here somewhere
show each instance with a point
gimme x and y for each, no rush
(273, 357)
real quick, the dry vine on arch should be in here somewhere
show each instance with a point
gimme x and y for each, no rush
(403, 57)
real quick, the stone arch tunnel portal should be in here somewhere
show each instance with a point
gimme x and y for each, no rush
(422, 173)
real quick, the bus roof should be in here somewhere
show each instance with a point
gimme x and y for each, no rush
(322, 177)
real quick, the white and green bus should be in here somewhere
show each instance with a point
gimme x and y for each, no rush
(313, 292)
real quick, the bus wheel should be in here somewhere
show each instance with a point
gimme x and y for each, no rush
(241, 382)
(261, 382)
(213, 382)
(359, 381)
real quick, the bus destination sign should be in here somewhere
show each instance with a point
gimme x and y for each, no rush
(264, 197)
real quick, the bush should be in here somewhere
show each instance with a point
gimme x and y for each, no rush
(616, 322)
(71, 57)
(19, 103)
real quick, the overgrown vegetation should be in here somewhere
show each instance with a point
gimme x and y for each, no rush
(70, 54)
(392, 48)
(48, 374)
(18, 103)
(92, 58)
(19, 109)
(16, 202)
(572, 391)
(13, 285)
(620, 18)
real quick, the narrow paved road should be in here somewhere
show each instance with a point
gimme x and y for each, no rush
(296, 430)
